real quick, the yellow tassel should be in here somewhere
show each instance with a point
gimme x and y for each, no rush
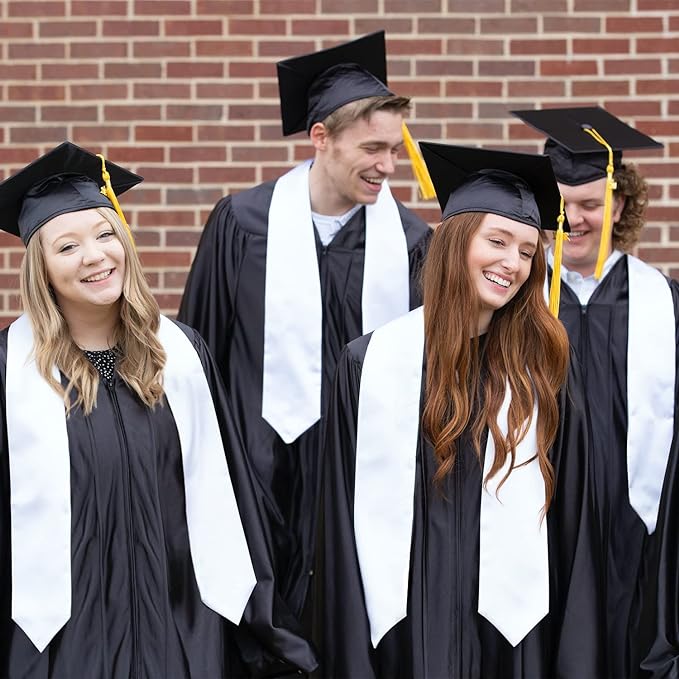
(555, 288)
(108, 191)
(420, 171)
(606, 227)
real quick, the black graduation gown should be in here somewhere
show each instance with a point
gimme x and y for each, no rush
(443, 636)
(598, 332)
(136, 610)
(224, 301)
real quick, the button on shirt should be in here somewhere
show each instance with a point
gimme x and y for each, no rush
(328, 225)
(584, 286)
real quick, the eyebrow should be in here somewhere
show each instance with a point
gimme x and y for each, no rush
(73, 234)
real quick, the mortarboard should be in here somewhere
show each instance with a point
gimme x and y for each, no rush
(66, 179)
(577, 157)
(519, 186)
(314, 85)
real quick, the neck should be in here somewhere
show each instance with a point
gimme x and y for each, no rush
(93, 328)
(485, 316)
(325, 199)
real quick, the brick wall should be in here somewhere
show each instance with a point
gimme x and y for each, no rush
(184, 93)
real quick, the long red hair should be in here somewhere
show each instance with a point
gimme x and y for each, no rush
(525, 346)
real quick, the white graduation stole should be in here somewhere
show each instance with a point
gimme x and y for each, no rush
(39, 466)
(293, 308)
(513, 559)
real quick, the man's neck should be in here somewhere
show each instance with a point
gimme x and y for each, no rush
(325, 200)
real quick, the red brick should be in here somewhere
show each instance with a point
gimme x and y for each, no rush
(222, 90)
(67, 114)
(406, 6)
(98, 50)
(146, 239)
(667, 86)
(156, 48)
(68, 29)
(674, 23)
(163, 259)
(524, 132)
(658, 170)
(536, 88)
(389, 24)
(473, 88)
(657, 45)
(477, 7)
(36, 9)
(166, 175)
(192, 112)
(602, 6)
(282, 49)
(226, 132)
(538, 6)
(175, 238)
(673, 109)
(632, 25)
(21, 72)
(656, 255)
(225, 7)
(99, 7)
(508, 25)
(129, 112)
(474, 46)
(473, 131)
(396, 67)
(416, 87)
(419, 47)
(287, 7)
(16, 29)
(506, 67)
(160, 90)
(224, 48)
(194, 27)
(36, 51)
(129, 29)
(537, 46)
(258, 27)
(16, 114)
(197, 154)
(444, 25)
(255, 154)
(133, 71)
(269, 90)
(254, 111)
(658, 213)
(644, 5)
(636, 107)
(252, 69)
(660, 127)
(632, 66)
(442, 110)
(570, 24)
(162, 7)
(673, 65)
(136, 154)
(576, 67)
(315, 27)
(38, 135)
(598, 88)
(443, 67)
(270, 172)
(105, 92)
(167, 133)
(175, 279)
(95, 133)
(35, 92)
(142, 196)
(603, 46)
(147, 218)
(342, 6)
(67, 71)
(193, 197)
(651, 234)
(195, 69)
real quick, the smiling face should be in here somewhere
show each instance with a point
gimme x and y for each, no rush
(499, 258)
(84, 260)
(349, 167)
(585, 212)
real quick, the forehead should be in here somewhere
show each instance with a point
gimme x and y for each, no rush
(517, 230)
(589, 191)
(379, 125)
(70, 222)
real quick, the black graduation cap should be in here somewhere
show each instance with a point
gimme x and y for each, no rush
(314, 85)
(519, 186)
(576, 156)
(66, 179)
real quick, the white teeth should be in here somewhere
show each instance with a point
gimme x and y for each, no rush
(98, 277)
(497, 279)
(377, 182)
(577, 234)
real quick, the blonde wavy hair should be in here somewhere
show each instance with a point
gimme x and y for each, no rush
(141, 357)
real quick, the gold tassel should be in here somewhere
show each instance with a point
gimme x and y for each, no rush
(420, 171)
(108, 191)
(606, 227)
(555, 287)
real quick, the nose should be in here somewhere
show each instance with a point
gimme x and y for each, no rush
(573, 214)
(92, 253)
(386, 163)
(511, 260)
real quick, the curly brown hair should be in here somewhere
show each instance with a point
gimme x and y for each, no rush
(633, 189)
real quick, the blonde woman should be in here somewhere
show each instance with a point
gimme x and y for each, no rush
(131, 542)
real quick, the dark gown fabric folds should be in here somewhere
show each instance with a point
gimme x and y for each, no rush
(224, 301)
(598, 333)
(443, 635)
(136, 609)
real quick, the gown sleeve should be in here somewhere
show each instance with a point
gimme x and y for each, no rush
(269, 637)
(574, 555)
(660, 612)
(207, 303)
(345, 641)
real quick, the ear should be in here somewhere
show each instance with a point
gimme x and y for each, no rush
(618, 207)
(319, 136)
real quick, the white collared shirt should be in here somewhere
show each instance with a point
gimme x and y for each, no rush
(328, 225)
(584, 286)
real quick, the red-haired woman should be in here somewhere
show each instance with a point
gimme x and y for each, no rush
(459, 539)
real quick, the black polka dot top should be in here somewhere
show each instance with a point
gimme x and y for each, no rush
(104, 361)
